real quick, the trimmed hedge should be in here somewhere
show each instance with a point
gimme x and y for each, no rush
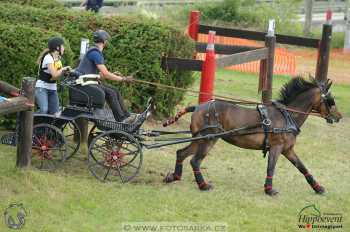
(18, 56)
(73, 25)
(136, 45)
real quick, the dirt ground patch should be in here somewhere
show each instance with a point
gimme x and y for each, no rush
(339, 64)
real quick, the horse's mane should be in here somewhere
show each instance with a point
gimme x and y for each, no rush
(294, 87)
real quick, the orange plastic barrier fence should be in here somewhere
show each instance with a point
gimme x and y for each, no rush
(285, 61)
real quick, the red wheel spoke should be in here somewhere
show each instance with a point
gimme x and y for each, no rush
(49, 146)
(116, 151)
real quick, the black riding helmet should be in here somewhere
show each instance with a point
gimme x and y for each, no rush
(100, 36)
(55, 43)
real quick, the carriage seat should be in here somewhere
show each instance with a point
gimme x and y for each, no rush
(79, 95)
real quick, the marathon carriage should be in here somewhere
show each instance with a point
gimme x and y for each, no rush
(112, 144)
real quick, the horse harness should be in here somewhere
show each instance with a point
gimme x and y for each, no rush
(211, 124)
(265, 124)
(291, 125)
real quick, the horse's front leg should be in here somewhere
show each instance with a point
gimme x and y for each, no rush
(181, 155)
(274, 153)
(294, 159)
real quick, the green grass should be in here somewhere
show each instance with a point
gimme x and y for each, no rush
(70, 199)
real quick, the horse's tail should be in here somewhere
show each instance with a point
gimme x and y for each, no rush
(178, 115)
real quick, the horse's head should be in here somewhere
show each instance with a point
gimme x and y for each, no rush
(326, 105)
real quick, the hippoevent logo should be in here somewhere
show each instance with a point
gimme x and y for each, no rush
(14, 216)
(310, 218)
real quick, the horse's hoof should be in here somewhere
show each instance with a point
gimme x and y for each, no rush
(320, 190)
(171, 177)
(271, 192)
(206, 187)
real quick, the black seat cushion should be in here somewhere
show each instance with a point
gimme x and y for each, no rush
(92, 92)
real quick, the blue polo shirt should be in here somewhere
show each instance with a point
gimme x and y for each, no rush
(92, 58)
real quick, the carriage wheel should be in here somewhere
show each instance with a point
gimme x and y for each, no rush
(72, 134)
(115, 155)
(49, 147)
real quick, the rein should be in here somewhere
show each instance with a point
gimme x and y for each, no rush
(221, 97)
(302, 112)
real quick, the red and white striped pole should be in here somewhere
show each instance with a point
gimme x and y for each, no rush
(193, 24)
(329, 14)
(208, 71)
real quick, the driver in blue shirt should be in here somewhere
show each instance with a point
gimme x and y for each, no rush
(93, 63)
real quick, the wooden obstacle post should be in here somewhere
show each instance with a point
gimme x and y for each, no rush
(25, 133)
(324, 50)
(193, 24)
(208, 71)
(268, 64)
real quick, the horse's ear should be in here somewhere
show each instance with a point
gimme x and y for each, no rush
(328, 84)
(311, 78)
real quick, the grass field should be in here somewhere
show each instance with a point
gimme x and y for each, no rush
(71, 200)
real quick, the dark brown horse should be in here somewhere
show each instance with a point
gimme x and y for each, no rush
(300, 97)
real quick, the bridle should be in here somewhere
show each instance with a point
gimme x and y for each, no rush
(325, 99)
(328, 102)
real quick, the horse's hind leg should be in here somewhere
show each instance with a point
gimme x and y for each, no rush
(204, 148)
(181, 155)
(294, 159)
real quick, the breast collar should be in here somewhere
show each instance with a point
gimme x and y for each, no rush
(291, 125)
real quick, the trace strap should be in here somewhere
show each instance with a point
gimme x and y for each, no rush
(266, 123)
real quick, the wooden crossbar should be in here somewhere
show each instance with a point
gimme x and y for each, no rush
(170, 63)
(260, 36)
(224, 49)
(242, 57)
(15, 104)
